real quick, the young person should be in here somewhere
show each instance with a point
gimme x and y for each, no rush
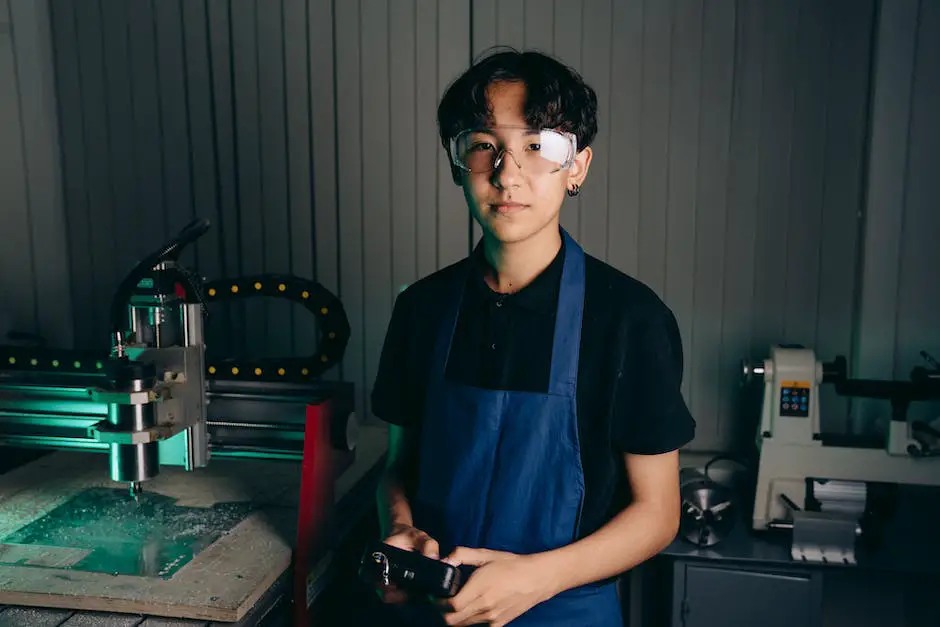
(532, 391)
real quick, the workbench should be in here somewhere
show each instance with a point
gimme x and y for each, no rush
(750, 575)
(241, 579)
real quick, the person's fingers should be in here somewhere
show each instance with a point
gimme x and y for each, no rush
(474, 557)
(429, 547)
(392, 595)
(402, 541)
(395, 597)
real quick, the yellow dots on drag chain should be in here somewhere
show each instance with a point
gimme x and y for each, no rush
(234, 289)
(211, 291)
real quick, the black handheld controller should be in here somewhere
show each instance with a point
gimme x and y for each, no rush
(410, 571)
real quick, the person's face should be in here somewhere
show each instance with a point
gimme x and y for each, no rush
(517, 200)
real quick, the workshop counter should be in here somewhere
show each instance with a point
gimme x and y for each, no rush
(752, 574)
(354, 496)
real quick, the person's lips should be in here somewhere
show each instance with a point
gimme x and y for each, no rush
(508, 207)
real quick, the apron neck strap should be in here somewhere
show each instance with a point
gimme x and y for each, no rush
(566, 345)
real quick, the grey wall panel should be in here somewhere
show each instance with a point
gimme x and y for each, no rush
(403, 150)
(225, 180)
(299, 207)
(918, 285)
(453, 56)
(681, 207)
(272, 128)
(35, 295)
(626, 98)
(48, 285)
(728, 171)
(119, 108)
(893, 76)
(426, 181)
(568, 47)
(349, 148)
(847, 111)
(205, 163)
(92, 102)
(248, 157)
(704, 347)
(597, 69)
(740, 237)
(149, 226)
(901, 295)
(16, 262)
(377, 191)
(72, 140)
(323, 140)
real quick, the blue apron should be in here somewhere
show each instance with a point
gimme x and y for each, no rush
(502, 469)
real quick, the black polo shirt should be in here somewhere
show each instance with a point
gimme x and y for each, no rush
(629, 374)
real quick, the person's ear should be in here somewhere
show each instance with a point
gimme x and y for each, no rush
(579, 169)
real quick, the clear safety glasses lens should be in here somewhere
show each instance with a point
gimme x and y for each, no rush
(534, 151)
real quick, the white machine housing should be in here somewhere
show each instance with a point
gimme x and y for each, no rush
(791, 448)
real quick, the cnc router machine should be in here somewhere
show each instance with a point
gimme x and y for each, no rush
(165, 416)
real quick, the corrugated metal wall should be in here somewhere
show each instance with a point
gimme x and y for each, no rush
(899, 313)
(34, 269)
(728, 173)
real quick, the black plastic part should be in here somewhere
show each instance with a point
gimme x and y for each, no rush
(835, 370)
(409, 571)
(334, 332)
(172, 282)
(168, 252)
(53, 360)
(121, 372)
(333, 327)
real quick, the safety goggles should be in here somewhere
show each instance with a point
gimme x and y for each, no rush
(534, 151)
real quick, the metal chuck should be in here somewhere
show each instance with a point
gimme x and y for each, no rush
(708, 512)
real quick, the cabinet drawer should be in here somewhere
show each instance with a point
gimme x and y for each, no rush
(721, 596)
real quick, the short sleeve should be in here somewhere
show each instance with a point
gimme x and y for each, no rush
(394, 395)
(650, 415)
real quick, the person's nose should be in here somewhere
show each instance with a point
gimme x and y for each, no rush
(507, 173)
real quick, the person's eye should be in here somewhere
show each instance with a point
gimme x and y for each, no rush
(481, 146)
(534, 147)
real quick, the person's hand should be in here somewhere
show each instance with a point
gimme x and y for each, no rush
(407, 538)
(503, 587)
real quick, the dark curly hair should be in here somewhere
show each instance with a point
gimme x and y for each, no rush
(556, 95)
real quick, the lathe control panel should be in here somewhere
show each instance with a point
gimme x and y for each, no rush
(794, 399)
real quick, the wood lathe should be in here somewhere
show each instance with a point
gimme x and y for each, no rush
(224, 483)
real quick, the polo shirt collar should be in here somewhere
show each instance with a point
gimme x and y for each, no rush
(541, 295)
